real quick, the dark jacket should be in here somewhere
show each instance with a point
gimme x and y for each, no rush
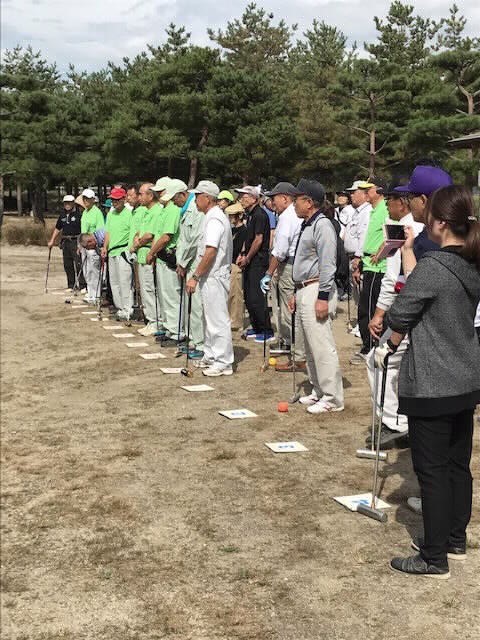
(440, 372)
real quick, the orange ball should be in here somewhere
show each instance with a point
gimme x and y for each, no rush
(283, 407)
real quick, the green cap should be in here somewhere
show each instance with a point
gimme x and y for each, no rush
(226, 195)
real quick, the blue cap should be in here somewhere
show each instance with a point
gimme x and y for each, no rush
(425, 180)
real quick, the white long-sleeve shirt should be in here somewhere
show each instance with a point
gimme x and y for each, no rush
(394, 265)
(286, 234)
(356, 229)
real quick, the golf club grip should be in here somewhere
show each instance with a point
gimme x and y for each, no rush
(375, 514)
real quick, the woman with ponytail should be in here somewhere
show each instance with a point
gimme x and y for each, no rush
(439, 382)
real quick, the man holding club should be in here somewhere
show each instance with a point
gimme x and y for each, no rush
(141, 237)
(315, 298)
(191, 228)
(120, 264)
(92, 220)
(212, 275)
(163, 248)
(68, 225)
(281, 263)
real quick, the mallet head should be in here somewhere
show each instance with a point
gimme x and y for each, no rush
(188, 373)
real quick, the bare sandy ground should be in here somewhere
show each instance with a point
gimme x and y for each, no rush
(132, 510)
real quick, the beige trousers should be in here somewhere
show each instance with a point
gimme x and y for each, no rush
(286, 290)
(236, 303)
(322, 358)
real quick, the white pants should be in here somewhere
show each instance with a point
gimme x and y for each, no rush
(390, 418)
(147, 292)
(168, 284)
(91, 272)
(121, 284)
(218, 347)
(322, 358)
(196, 318)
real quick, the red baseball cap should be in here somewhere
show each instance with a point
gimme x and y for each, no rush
(118, 193)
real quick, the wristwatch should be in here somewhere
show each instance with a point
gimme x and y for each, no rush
(195, 277)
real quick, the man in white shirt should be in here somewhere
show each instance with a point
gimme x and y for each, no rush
(212, 273)
(394, 425)
(281, 262)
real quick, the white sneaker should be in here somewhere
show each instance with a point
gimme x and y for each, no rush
(309, 400)
(150, 330)
(415, 504)
(214, 372)
(355, 331)
(203, 364)
(143, 331)
(323, 407)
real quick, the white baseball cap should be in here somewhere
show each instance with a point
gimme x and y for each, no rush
(68, 199)
(251, 191)
(88, 193)
(207, 187)
(175, 186)
(161, 184)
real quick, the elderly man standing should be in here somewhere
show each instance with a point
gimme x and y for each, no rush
(315, 299)
(191, 228)
(92, 220)
(141, 237)
(253, 260)
(68, 224)
(163, 248)
(212, 273)
(120, 268)
(372, 271)
(281, 262)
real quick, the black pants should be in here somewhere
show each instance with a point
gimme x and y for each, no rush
(369, 293)
(441, 451)
(71, 262)
(254, 297)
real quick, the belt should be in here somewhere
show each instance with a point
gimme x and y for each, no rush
(69, 237)
(305, 283)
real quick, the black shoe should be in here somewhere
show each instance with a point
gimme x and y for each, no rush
(416, 566)
(454, 552)
(387, 438)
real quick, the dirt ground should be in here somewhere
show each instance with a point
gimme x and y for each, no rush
(133, 510)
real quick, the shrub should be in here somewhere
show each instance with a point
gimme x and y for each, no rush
(26, 232)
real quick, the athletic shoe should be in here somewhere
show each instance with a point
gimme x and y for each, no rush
(203, 364)
(309, 400)
(358, 358)
(323, 407)
(84, 290)
(195, 354)
(416, 566)
(215, 371)
(415, 505)
(148, 330)
(249, 334)
(388, 437)
(260, 338)
(454, 551)
(355, 331)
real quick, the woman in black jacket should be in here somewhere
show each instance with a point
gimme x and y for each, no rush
(439, 382)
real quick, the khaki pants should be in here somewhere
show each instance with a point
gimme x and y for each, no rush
(168, 284)
(121, 284)
(322, 358)
(286, 290)
(236, 303)
(147, 292)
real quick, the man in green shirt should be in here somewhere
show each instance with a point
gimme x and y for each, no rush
(191, 229)
(166, 234)
(120, 268)
(372, 271)
(92, 220)
(141, 237)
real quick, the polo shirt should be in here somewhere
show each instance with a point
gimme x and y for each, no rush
(118, 229)
(92, 220)
(68, 222)
(374, 238)
(168, 222)
(144, 221)
(258, 223)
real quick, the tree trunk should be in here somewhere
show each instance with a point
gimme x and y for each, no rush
(170, 167)
(37, 198)
(193, 177)
(19, 199)
(372, 154)
(1, 200)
